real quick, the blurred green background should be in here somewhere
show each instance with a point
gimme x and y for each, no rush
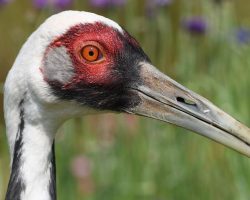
(204, 45)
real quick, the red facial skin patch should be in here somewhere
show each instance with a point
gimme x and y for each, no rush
(106, 38)
(104, 83)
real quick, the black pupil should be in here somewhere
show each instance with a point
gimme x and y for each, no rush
(91, 53)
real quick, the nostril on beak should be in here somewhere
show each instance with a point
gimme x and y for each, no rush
(187, 102)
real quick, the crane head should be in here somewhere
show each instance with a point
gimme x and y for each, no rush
(88, 63)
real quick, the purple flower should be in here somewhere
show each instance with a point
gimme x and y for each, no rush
(99, 3)
(243, 35)
(195, 25)
(3, 2)
(40, 4)
(162, 2)
(153, 5)
(58, 4)
(107, 3)
(62, 4)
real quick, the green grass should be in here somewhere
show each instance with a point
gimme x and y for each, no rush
(138, 158)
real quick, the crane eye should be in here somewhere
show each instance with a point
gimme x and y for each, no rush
(91, 53)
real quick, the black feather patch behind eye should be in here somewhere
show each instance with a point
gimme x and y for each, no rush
(112, 97)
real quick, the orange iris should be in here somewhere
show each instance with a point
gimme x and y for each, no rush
(91, 53)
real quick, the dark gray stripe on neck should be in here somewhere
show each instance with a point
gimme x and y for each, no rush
(52, 184)
(16, 184)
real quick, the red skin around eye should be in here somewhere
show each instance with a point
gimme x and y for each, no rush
(105, 38)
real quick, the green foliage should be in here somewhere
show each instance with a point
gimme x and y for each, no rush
(133, 158)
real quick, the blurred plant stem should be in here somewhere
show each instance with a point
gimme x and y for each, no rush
(242, 11)
(175, 18)
(1, 105)
(78, 126)
(196, 7)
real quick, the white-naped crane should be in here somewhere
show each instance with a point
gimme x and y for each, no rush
(78, 63)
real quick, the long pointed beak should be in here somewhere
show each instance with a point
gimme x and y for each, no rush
(164, 99)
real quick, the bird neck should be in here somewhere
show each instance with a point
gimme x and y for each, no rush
(33, 172)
